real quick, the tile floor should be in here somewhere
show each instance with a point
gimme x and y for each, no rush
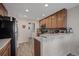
(25, 49)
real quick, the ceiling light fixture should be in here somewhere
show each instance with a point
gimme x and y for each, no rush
(25, 16)
(43, 15)
(27, 10)
(46, 5)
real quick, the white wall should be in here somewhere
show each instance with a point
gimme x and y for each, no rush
(73, 19)
(23, 34)
(73, 22)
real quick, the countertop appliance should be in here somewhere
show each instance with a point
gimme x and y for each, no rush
(8, 30)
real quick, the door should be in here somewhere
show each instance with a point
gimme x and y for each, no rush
(48, 22)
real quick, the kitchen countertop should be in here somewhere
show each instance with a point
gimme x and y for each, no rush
(55, 44)
(44, 37)
(3, 42)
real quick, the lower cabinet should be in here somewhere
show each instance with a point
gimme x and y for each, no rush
(6, 53)
(6, 50)
(37, 47)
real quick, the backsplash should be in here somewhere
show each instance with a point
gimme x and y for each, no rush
(54, 30)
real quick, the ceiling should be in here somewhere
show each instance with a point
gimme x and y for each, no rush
(37, 11)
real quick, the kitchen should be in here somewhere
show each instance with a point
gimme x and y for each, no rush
(51, 30)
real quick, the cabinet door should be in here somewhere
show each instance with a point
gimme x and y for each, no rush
(3, 11)
(40, 23)
(6, 53)
(37, 47)
(48, 22)
(6, 50)
(44, 22)
(61, 19)
(9, 50)
(0, 12)
(54, 21)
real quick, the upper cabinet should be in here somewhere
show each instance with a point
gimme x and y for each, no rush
(56, 20)
(61, 18)
(48, 22)
(3, 10)
(42, 23)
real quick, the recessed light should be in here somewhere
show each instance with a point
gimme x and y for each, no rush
(46, 5)
(25, 15)
(27, 10)
(43, 15)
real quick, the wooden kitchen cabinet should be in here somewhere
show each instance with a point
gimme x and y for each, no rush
(3, 10)
(46, 19)
(37, 48)
(6, 50)
(48, 22)
(41, 23)
(44, 22)
(61, 18)
(56, 20)
(5, 53)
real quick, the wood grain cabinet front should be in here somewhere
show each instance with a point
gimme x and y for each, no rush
(49, 22)
(41, 23)
(61, 18)
(6, 50)
(56, 20)
(3, 10)
(37, 48)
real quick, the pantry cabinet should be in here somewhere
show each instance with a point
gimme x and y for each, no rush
(56, 20)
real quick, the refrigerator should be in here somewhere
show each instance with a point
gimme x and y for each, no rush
(9, 29)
